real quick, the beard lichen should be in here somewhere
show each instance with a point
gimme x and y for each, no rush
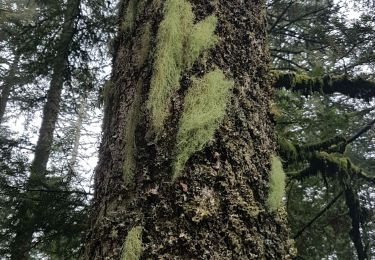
(277, 185)
(204, 109)
(132, 247)
(131, 13)
(198, 40)
(175, 33)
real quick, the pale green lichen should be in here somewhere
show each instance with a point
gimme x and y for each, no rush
(202, 38)
(277, 185)
(168, 59)
(132, 247)
(204, 109)
(131, 13)
(129, 137)
(172, 56)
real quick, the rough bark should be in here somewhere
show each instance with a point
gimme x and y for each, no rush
(7, 86)
(28, 209)
(216, 209)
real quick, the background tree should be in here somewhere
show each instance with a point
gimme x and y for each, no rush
(53, 195)
(322, 136)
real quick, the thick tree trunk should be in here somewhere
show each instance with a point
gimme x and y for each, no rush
(28, 209)
(216, 207)
(6, 88)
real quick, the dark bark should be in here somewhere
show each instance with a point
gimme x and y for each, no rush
(28, 210)
(7, 86)
(352, 201)
(216, 210)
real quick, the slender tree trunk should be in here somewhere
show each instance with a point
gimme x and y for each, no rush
(28, 209)
(77, 131)
(52, 107)
(7, 86)
(215, 208)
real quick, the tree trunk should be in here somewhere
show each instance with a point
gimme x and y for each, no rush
(52, 107)
(28, 209)
(6, 88)
(158, 194)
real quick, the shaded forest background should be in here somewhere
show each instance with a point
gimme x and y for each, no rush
(54, 67)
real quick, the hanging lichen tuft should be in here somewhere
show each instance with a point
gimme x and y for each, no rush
(131, 13)
(202, 38)
(277, 185)
(172, 56)
(132, 247)
(168, 58)
(204, 109)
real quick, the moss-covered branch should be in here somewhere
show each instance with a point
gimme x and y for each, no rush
(356, 87)
(334, 166)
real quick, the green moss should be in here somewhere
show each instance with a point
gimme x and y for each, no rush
(179, 43)
(131, 13)
(204, 108)
(277, 185)
(129, 137)
(132, 247)
(202, 38)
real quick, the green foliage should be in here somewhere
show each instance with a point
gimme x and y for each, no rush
(132, 247)
(277, 185)
(176, 32)
(204, 108)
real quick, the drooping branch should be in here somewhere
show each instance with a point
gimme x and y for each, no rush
(367, 127)
(328, 206)
(355, 88)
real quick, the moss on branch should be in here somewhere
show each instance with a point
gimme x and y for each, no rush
(356, 87)
(333, 165)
